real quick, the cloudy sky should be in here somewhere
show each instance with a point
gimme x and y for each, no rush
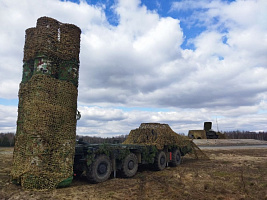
(180, 62)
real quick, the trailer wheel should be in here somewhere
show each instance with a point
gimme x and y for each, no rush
(160, 161)
(176, 158)
(100, 170)
(129, 165)
(77, 173)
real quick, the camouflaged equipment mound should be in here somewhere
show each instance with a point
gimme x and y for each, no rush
(197, 134)
(156, 134)
(46, 124)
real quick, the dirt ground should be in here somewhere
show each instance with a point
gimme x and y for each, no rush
(229, 174)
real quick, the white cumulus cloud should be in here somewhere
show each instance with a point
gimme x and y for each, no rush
(139, 63)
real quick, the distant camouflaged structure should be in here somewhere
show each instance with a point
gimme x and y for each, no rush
(46, 124)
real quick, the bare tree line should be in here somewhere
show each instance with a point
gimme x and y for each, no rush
(7, 139)
(246, 135)
(98, 140)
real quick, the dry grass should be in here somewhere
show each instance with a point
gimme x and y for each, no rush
(229, 174)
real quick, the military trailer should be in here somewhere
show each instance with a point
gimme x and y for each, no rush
(98, 161)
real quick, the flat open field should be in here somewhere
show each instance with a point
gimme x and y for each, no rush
(229, 142)
(229, 174)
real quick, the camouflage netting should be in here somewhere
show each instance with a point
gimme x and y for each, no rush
(156, 134)
(198, 153)
(52, 38)
(46, 124)
(52, 48)
(197, 134)
(159, 135)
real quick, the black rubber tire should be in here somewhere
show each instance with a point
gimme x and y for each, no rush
(77, 173)
(176, 158)
(100, 170)
(129, 165)
(160, 161)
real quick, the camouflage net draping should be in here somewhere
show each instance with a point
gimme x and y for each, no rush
(156, 134)
(52, 48)
(198, 153)
(52, 38)
(159, 135)
(46, 124)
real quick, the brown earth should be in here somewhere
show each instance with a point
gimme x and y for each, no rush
(229, 174)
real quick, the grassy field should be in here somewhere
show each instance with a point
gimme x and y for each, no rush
(229, 174)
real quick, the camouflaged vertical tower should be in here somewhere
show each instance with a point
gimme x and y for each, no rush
(46, 124)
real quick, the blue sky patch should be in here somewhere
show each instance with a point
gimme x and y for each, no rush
(9, 102)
